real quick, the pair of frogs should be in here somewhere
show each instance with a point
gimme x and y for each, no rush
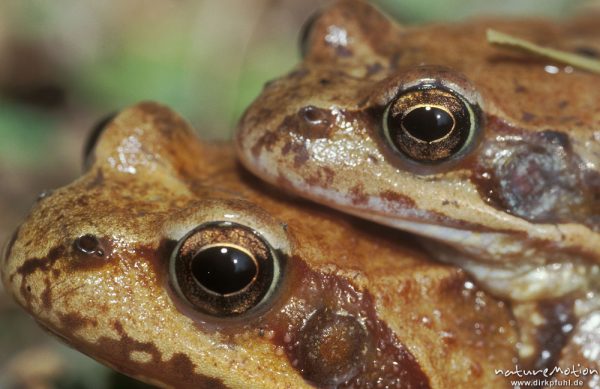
(169, 262)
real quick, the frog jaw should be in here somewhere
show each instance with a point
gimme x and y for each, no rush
(521, 261)
(503, 261)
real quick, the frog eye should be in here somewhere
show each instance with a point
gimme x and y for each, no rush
(429, 124)
(224, 269)
(92, 139)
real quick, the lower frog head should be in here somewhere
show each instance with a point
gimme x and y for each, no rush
(168, 263)
(432, 130)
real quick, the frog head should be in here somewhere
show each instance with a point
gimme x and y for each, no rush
(167, 262)
(491, 156)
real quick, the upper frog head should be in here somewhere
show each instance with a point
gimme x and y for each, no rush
(166, 262)
(433, 130)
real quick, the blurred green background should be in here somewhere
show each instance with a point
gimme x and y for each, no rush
(66, 63)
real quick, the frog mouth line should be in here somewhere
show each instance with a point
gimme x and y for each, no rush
(466, 240)
(483, 240)
(496, 259)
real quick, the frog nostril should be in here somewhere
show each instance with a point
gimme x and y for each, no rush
(90, 245)
(312, 122)
(313, 115)
(224, 269)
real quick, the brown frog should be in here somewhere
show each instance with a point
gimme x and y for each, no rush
(491, 156)
(168, 263)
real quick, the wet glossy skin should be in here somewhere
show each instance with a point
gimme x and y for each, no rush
(354, 303)
(517, 206)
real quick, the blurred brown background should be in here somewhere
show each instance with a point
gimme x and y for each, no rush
(66, 63)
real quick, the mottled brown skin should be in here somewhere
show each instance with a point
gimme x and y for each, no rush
(356, 304)
(518, 208)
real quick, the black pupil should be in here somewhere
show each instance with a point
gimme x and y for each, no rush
(223, 269)
(428, 123)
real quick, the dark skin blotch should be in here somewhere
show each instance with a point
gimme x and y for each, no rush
(551, 337)
(265, 142)
(397, 198)
(300, 153)
(178, 371)
(588, 52)
(47, 295)
(395, 60)
(374, 68)
(520, 89)
(527, 117)
(74, 321)
(34, 264)
(558, 138)
(376, 364)
(98, 180)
